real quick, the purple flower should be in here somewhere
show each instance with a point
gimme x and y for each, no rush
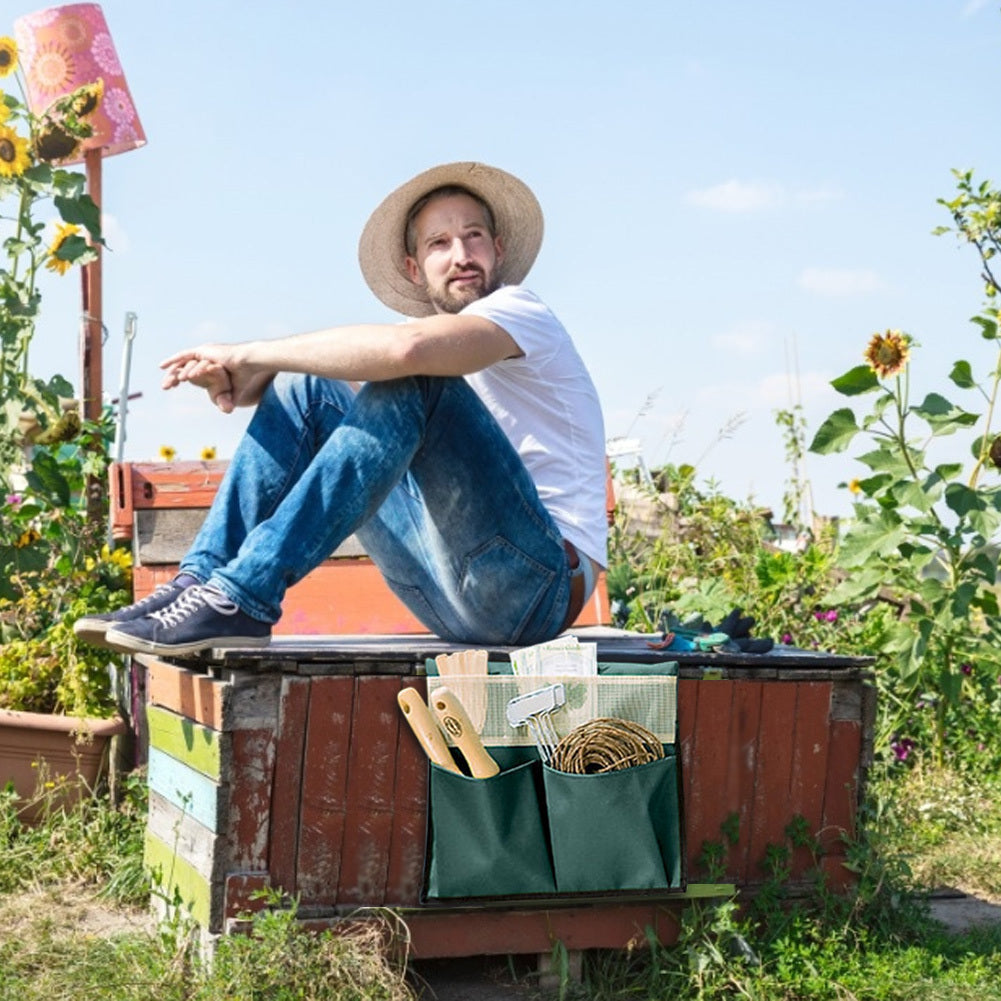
(902, 748)
(13, 500)
(787, 639)
(967, 669)
(832, 615)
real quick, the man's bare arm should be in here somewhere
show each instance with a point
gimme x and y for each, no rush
(443, 344)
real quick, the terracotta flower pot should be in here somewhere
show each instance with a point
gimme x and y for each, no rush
(69, 752)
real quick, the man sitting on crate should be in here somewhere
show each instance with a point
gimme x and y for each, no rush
(469, 461)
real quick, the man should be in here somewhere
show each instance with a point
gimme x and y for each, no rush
(464, 447)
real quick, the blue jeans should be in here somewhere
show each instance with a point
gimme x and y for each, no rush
(421, 472)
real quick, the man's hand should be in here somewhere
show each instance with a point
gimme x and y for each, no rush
(222, 371)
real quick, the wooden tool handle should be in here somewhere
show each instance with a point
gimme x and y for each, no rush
(417, 714)
(453, 720)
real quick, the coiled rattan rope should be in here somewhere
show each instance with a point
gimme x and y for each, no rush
(605, 745)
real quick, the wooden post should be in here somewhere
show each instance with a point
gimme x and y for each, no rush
(91, 340)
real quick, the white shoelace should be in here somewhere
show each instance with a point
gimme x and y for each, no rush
(190, 600)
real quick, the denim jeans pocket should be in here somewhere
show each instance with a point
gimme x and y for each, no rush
(506, 589)
(502, 596)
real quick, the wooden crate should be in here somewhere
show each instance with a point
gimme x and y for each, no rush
(160, 506)
(290, 768)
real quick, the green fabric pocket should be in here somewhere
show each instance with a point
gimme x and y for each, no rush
(487, 836)
(616, 830)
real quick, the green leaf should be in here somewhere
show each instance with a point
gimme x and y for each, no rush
(82, 211)
(46, 478)
(942, 416)
(963, 499)
(962, 375)
(907, 493)
(889, 460)
(988, 326)
(948, 470)
(856, 381)
(836, 433)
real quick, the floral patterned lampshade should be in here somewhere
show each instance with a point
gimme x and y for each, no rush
(63, 48)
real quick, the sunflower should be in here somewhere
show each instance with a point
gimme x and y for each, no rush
(63, 232)
(86, 98)
(208, 453)
(4, 110)
(14, 159)
(887, 354)
(167, 453)
(8, 55)
(855, 486)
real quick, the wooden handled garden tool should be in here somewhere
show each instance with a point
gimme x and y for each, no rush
(417, 714)
(455, 722)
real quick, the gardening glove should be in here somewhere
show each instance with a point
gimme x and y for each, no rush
(738, 628)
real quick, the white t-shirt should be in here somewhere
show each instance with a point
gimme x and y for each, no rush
(548, 407)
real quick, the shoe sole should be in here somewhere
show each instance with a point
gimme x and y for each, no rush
(125, 643)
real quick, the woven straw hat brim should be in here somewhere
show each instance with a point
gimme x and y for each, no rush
(382, 251)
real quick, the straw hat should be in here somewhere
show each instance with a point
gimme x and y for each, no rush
(382, 253)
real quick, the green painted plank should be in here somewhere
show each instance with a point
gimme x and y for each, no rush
(198, 746)
(176, 879)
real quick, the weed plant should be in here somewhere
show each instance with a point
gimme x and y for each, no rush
(74, 924)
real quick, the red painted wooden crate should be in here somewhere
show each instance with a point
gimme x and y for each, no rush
(323, 791)
(160, 505)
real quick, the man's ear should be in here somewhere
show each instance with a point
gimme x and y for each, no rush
(499, 248)
(414, 271)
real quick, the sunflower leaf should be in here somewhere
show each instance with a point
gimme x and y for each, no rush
(942, 416)
(962, 375)
(856, 381)
(836, 433)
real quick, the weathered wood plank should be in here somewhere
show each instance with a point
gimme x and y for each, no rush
(248, 814)
(772, 808)
(705, 762)
(201, 899)
(810, 763)
(371, 781)
(409, 832)
(164, 535)
(841, 787)
(189, 839)
(742, 750)
(192, 792)
(193, 694)
(324, 789)
(286, 795)
(185, 740)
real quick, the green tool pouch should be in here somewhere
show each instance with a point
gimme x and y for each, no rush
(616, 830)
(487, 836)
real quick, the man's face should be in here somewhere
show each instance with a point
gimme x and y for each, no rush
(455, 257)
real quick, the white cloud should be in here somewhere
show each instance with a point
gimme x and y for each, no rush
(737, 196)
(755, 196)
(745, 338)
(840, 281)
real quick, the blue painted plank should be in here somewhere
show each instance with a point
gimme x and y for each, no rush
(189, 790)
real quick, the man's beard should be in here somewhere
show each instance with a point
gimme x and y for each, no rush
(445, 300)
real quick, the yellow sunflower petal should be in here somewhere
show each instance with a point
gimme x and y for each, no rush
(8, 55)
(887, 354)
(14, 158)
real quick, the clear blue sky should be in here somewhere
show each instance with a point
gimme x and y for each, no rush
(732, 190)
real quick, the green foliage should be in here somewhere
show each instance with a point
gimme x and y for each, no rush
(924, 529)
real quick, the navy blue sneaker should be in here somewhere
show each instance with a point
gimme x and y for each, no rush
(93, 628)
(200, 618)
